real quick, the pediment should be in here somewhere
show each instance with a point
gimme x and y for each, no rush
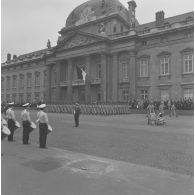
(78, 39)
(164, 53)
(187, 50)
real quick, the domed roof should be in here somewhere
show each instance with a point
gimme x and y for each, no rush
(94, 9)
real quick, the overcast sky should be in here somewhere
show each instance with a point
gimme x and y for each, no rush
(26, 25)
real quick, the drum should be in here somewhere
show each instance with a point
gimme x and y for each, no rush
(49, 129)
(4, 122)
(32, 125)
(17, 124)
(5, 130)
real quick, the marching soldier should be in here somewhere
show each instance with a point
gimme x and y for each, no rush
(11, 120)
(26, 122)
(76, 112)
(43, 126)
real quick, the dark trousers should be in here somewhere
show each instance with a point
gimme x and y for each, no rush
(76, 119)
(11, 126)
(26, 131)
(43, 130)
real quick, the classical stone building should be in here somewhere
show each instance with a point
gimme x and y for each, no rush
(122, 58)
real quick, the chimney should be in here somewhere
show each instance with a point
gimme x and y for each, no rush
(8, 56)
(160, 18)
(132, 6)
(14, 57)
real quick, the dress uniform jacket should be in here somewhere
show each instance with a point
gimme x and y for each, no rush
(43, 128)
(26, 122)
(11, 122)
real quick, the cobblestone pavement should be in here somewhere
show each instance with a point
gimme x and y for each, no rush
(125, 138)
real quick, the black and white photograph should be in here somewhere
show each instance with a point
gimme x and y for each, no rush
(97, 97)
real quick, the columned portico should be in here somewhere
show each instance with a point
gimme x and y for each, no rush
(115, 78)
(70, 74)
(132, 75)
(58, 69)
(103, 78)
(48, 84)
(87, 80)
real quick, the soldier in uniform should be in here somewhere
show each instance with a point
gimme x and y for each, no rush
(11, 120)
(76, 112)
(26, 122)
(43, 126)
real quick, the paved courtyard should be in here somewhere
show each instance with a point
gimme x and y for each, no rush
(125, 138)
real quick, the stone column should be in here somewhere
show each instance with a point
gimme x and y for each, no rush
(48, 84)
(87, 81)
(132, 75)
(103, 77)
(70, 75)
(58, 70)
(115, 78)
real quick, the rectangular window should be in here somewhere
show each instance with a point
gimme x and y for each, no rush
(144, 94)
(144, 68)
(164, 95)
(45, 78)
(37, 79)
(37, 97)
(8, 83)
(188, 63)
(99, 71)
(125, 71)
(28, 97)
(2, 98)
(2, 84)
(125, 94)
(21, 82)
(8, 98)
(164, 66)
(21, 98)
(188, 93)
(14, 82)
(14, 97)
(29, 80)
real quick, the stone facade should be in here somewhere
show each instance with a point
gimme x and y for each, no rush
(123, 61)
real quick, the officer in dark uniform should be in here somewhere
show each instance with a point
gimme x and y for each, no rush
(76, 112)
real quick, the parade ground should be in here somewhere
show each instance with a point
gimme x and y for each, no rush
(113, 155)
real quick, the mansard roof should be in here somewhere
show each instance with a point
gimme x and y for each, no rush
(170, 20)
(36, 55)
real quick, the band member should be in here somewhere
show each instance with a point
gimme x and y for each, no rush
(161, 108)
(43, 126)
(76, 114)
(26, 122)
(11, 120)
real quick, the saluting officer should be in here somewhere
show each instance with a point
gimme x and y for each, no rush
(26, 122)
(43, 126)
(11, 121)
(76, 111)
